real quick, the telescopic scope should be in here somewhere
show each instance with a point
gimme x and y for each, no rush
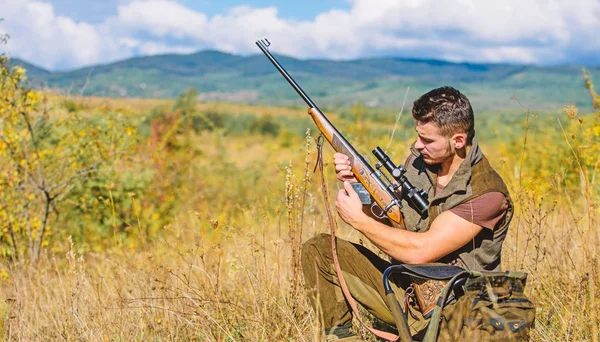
(416, 197)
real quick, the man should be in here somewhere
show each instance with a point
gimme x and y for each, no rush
(468, 217)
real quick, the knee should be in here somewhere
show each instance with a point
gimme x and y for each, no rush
(318, 243)
(314, 249)
(318, 240)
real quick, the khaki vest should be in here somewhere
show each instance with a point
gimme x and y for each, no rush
(474, 177)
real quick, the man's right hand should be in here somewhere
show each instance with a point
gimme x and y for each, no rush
(343, 169)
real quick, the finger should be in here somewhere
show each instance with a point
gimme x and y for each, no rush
(347, 179)
(346, 174)
(343, 162)
(341, 158)
(349, 189)
(338, 155)
(342, 167)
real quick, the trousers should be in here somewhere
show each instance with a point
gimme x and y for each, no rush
(363, 271)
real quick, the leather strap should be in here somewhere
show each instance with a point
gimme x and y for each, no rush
(410, 293)
(338, 270)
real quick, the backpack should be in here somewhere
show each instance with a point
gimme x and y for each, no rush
(473, 306)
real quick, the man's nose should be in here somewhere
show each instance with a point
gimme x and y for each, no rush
(419, 144)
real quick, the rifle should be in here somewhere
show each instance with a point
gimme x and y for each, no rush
(385, 192)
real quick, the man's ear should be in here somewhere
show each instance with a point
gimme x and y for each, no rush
(459, 140)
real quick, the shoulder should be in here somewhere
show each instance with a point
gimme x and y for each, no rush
(485, 179)
(485, 210)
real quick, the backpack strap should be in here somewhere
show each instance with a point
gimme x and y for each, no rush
(436, 271)
(434, 323)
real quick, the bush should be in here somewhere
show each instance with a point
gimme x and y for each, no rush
(44, 157)
(265, 125)
(207, 121)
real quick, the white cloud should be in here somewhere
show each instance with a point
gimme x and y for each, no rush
(161, 18)
(40, 36)
(531, 31)
(509, 30)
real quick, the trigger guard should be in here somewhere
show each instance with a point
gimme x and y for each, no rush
(381, 212)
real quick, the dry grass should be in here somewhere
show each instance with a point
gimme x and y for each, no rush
(201, 282)
(140, 105)
(204, 281)
(237, 279)
(557, 246)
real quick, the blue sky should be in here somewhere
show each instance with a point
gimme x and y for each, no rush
(68, 34)
(300, 10)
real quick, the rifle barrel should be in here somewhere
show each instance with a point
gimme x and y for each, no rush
(342, 140)
(289, 78)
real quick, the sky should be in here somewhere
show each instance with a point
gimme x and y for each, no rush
(69, 34)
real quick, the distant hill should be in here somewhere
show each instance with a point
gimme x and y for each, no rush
(376, 81)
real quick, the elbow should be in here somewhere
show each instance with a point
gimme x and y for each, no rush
(418, 258)
(420, 253)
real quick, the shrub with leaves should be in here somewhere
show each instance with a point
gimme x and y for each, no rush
(45, 153)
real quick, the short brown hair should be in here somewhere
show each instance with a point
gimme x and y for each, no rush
(449, 109)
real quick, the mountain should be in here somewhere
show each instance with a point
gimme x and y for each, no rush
(376, 81)
(33, 72)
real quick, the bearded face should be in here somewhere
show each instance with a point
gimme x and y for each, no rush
(432, 144)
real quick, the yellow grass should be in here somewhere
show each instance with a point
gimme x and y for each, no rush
(140, 105)
(222, 268)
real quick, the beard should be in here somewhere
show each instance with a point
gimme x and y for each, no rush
(444, 155)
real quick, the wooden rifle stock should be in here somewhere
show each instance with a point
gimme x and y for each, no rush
(360, 168)
(384, 195)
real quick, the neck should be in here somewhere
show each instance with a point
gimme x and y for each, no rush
(449, 167)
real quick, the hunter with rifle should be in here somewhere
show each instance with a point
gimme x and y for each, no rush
(441, 218)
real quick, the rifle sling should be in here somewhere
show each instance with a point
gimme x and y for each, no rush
(338, 270)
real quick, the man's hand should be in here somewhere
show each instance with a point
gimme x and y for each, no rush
(349, 207)
(343, 169)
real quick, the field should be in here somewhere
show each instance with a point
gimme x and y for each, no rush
(135, 220)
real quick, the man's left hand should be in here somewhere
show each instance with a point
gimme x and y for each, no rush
(349, 206)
